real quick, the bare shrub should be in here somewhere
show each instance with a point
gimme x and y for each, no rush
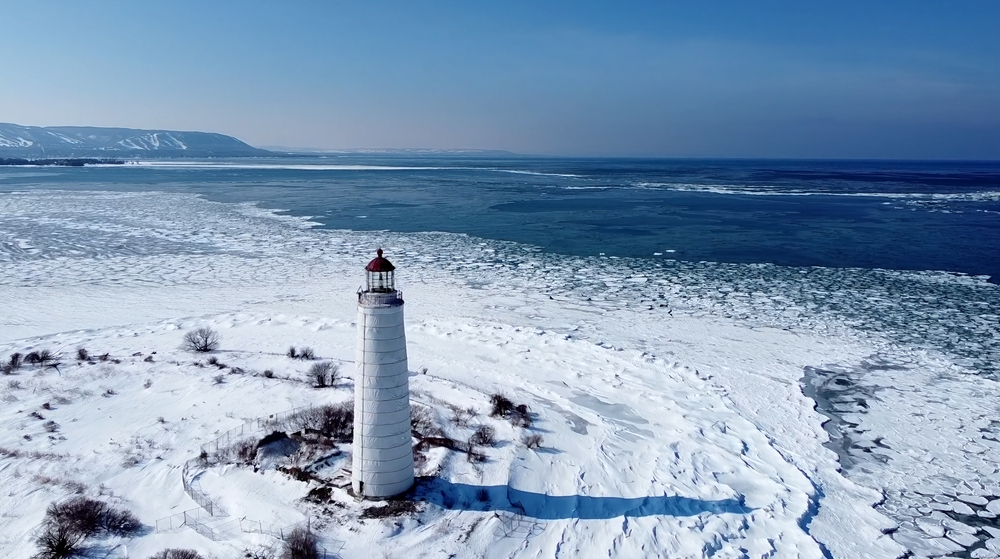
(42, 357)
(422, 423)
(242, 452)
(268, 373)
(501, 406)
(6, 369)
(51, 426)
(301, 544)
(259, 552)
(219, 379)
(474, 455)
(15, 361)
(306, 354)
(203, 340)
(88, 517)
(463, 417)
(46, 406)
(520, 418)
(292, 352)
(14, 384)
(532, 441)
(120, 522)
(58, 541)
(79, 514)
(334, 421)
(177, 554)
(484, 435)
(323, 374)
(81, 354)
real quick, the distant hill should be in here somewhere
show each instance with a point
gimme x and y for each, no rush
(89, 141)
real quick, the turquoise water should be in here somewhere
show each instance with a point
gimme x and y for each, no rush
(891, 215)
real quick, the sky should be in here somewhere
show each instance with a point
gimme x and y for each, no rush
(888, 79)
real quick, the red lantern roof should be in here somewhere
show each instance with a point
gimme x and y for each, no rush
(380, 264)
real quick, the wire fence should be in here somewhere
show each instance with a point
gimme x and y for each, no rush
(193, 489)
(211, 452)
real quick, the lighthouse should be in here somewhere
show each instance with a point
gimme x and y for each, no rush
(383, 456)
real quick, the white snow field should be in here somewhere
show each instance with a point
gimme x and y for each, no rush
(671, 398)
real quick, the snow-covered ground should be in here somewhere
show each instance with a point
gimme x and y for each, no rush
(669, 396)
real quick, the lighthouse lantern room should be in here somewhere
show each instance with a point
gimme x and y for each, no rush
(382, 462)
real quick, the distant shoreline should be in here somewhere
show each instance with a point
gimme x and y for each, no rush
(69, 162)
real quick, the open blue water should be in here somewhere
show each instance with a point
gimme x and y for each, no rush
(892, 215)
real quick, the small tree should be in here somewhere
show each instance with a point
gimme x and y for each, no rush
(532, 441)
(301, 544)
(58, 541)
(484, 435)
(323, 374)
(501, 406)
(176, 554)
(203, 339)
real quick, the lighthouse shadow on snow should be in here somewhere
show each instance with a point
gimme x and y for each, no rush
(503, 498)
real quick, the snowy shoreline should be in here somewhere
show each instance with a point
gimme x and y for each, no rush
(675, 397)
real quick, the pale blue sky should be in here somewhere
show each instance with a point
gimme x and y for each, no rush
(711, 79)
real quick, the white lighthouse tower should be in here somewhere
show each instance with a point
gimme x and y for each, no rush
(383, 455)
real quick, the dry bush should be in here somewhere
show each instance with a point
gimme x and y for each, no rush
(306, 354)
(532, 441)
(81, 354)
(520, 419)
(219, 379)
(15, 361)
(120, 522)
(79, 514)
(333, 421)
(268, 373)
(323, 374)
(462, 418)
(259, 552)
(58, 541)
(301, 544)
(474, 456)
(422, 424)
(484, 435)
(177, 554)
(292, 352)
(202, 340)
(500, 406)
(51, 426)
(89, 517)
